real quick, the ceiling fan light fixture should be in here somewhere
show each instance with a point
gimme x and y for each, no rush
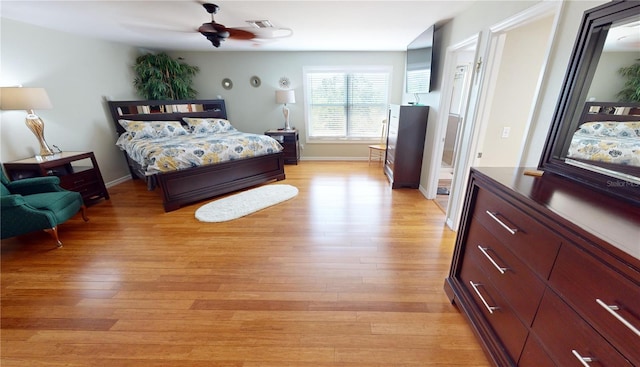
(260, 23)
(258, 30)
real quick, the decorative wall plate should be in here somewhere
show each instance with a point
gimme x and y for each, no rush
(284, 82)
(227, 83)
(255, 81)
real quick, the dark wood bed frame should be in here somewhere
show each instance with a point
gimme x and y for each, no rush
(187, 186)
(606, 113)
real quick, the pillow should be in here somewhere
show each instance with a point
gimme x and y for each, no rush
(153, 129)
(208, 126)
(614, 129)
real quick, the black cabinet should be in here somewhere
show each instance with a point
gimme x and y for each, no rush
(290, 141)
(405, 144)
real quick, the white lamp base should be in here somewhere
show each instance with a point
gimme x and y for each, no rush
(285, 112)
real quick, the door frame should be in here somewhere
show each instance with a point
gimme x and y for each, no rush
(481, 92)
(450, 62)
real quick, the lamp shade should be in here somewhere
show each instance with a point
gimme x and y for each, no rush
(285, 96)
(17, 98)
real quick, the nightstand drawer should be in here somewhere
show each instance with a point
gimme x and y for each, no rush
(517, 284)
(528, 239)
(76, 180)
(508, 327)
(575, 340)
(582, 281)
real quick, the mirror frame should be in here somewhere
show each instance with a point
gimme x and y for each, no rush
(584, 59)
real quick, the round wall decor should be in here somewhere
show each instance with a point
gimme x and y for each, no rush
(227, 83)
(284, 82)
(255, 81)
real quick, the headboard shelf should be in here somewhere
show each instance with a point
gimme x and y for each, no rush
(145, 110)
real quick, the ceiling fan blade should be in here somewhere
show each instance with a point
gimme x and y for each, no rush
(240, 34)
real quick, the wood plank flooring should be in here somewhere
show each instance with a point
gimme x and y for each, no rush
(348, 273)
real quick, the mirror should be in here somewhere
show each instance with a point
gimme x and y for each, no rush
(595, 134)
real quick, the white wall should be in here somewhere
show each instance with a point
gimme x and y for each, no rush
(254, 109)
(607, 81)
(77, 73)
(561, 49)
(477, 19)
(516, 81)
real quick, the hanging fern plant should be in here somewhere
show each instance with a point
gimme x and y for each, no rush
(631, 90)
(160, 77)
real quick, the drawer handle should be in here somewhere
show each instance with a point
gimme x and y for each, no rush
(495, 264)
(584, 360)
(494, 217)
(486, 304)
(612, 310)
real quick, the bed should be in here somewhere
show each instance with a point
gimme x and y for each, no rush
(608, 135)
(184, 174)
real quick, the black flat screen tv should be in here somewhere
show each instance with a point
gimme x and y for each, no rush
(419, 62)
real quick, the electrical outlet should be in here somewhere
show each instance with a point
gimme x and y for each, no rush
(505, 132)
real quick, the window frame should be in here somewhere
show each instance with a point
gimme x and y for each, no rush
(350, 69)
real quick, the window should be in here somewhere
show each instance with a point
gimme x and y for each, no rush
(346, 104)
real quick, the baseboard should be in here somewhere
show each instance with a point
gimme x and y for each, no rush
(337, 159)
(117, 181)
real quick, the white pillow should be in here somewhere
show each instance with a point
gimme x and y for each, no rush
(153, 129)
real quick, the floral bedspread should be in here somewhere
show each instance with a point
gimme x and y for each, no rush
(157, 155)
(607, 141)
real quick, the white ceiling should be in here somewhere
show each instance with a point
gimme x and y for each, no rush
(172, 25)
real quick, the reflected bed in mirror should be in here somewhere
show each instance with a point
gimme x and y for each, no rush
(595, 134)
(608, 140)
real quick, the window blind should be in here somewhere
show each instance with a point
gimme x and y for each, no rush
(346, 104)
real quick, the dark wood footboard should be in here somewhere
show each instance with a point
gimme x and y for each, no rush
(184, 187)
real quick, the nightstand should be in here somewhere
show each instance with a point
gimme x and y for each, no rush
(290, 141)
(78, 171)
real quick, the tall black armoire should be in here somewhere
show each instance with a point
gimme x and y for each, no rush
(405, 145)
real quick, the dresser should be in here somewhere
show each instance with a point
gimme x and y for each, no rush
(405, 145)
(290, 141)
(78, 171)
(547, 271)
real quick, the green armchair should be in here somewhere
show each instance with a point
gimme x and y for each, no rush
(37, 203)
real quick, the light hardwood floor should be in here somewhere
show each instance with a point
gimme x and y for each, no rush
(348, 273)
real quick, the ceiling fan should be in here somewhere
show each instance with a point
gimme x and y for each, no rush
(260, 30)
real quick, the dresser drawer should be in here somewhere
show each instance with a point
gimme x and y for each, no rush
(528, 239)
(582, 280)
(534, 355)
(508, 327)
(517, 283)
(574, 339)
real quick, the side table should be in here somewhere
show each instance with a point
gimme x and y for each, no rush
(290, 141)
(78, 171)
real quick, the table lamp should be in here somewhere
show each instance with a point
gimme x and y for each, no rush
(18, 98)
(283, 97)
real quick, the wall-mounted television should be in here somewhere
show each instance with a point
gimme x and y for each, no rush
(419, 62)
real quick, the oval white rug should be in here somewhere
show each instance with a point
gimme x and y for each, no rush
(244, 203)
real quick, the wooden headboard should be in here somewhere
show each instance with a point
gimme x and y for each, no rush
(171, 110)
(610, 111)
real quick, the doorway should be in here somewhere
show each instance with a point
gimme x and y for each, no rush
(501, 102)
(458, 99)
(458, 74)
